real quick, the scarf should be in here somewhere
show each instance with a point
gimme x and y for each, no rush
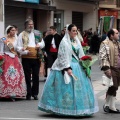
(25, 38)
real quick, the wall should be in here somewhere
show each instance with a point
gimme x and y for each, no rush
(1, 18)
(67, 17)
(74, 6)
(89, 18)
(43, 20)
(1, 29)
(15, 16)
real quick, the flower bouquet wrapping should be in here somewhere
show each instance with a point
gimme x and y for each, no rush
(1, 62)
(87, 62)
(85, 47)
(38, 38)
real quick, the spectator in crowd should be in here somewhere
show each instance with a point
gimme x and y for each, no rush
(104, 35)
(85, 37)
(89, 36)
(95, 43)
(79, 36)
(62, 33)
(43, 66)
(52, 42)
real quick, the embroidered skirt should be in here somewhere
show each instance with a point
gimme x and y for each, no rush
(73, 99)
(12, 80)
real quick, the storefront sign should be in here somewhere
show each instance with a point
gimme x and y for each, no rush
(106, 12)
(30, 1)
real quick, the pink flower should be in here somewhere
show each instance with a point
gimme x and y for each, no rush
(84, 44)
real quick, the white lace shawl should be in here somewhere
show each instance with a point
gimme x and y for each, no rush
(65, 53)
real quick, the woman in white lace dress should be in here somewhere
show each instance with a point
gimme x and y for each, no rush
(68, 91)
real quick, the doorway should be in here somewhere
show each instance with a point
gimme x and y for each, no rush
(58, 20)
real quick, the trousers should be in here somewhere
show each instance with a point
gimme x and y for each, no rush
(116, 81)
(31, 67)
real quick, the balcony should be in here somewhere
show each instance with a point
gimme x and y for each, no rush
(118, 3)
(115, 4)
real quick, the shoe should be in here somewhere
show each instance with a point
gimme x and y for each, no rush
(13, 99)
(28, 98)
(116, 112)
(35, 97)
(106, 109)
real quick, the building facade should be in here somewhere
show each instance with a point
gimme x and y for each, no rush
(110, 8)
(83, 14)
(16, 12)
(50, 12)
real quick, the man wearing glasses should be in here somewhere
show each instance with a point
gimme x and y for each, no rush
(109, 56)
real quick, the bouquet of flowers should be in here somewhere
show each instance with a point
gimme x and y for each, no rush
(85, 47)
(38, 38)
(1, 62)
(87, 62)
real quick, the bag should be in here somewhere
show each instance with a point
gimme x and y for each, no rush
(106, 81)
(66, 78)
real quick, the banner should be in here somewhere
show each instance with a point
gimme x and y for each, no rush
(20, 0)
(29, 1)
(107, 12)
(107, 24)
(32, 1)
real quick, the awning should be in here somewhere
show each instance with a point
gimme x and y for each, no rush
(29, 5)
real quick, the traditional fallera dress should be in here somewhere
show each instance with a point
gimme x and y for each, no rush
(69, 98)
(12, 80)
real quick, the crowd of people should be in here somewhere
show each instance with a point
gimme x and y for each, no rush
(68, 89)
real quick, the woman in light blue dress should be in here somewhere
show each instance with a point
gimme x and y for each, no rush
(68, 91)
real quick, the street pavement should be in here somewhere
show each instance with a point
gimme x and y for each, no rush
(22, 109)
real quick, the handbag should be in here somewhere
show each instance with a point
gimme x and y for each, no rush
(107, 81)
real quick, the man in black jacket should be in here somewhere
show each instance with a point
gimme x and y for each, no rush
(52, 42)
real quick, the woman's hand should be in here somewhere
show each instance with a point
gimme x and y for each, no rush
(69, 71)
(23, 49)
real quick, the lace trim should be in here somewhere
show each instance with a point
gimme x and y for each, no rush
(67, 112)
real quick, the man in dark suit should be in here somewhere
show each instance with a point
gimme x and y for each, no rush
(52, 42)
